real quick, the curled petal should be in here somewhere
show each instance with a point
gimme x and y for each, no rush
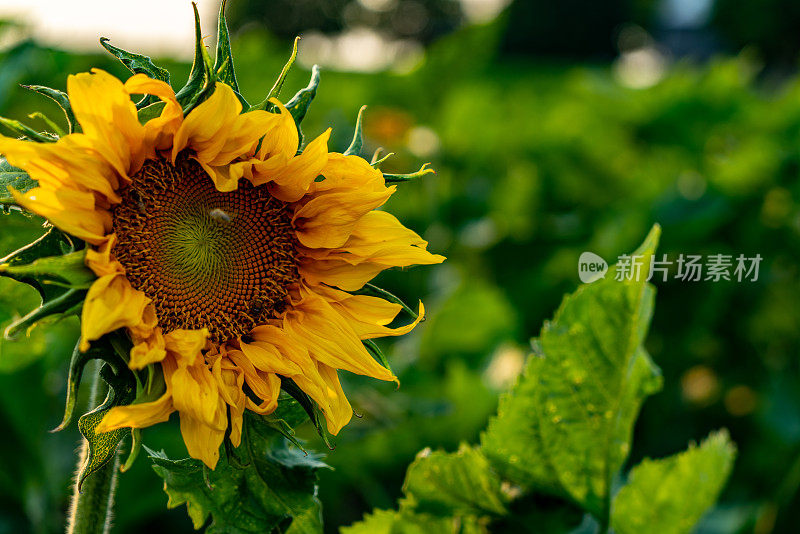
(111, 303)
(137, 415)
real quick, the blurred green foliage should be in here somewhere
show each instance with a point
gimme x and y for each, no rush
(536, 163)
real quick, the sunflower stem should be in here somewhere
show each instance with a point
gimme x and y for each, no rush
(92, 504)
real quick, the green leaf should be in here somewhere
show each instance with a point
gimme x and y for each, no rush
(136, 63)
(300, 102)
(103, 446)
(565, 428)
(61, 99)
(671, 494)
(461, 483)
(358, 140)
(398, 178)
(13, 178)
(276, 487)
(52, 309)
(50, 124)
(53, 243)
(376, 352)
(25, 131)
(408, 522)
(68, 270)
(223, 63)
(98, 351)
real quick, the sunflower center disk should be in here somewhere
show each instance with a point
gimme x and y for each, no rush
(223, 261)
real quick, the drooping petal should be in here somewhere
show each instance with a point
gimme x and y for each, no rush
(147, 351)
(340, 411)
(230, 380)
(108, 118)
(111, 303)
(202, 440)
(137, 415)
(186, 345)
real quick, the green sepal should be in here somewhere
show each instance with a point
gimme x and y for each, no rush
(223, 62)
(278, 85)
(202, 76)
(56, 308)
(313, 411)
(358, 140)
(13, 178)
(270, 485)
(375, 291)
(60, 98)
(27, 132)
(99, 350)
(49, 122)
(103, 446)
(300, 102)
(376, 352)
(399, 178)
(136, 63)
(136, 448)
(376, 160)
(289, 414)
(52, 244)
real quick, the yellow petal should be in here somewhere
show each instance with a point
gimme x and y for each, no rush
(99, 260)
(70, 162)
(108, 117)
(330, 339)
(266, 386)
(291, 182)
(159, 131)
(137, 415)
(368, 315)
(328, 219)
(186, 345)
(378, 241)
(203, 441)
(283, 140)
(111, 303)
(148, 351)
(69, 210)
(195, 393)
(205, 128)
(340, 411)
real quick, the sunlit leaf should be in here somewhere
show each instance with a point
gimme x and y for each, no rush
(670, 495)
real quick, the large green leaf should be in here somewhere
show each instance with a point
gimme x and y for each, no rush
(271, 485)
(670, 495)
(460, 483)
(565, 428)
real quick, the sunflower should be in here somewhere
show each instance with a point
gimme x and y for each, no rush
(231, 260)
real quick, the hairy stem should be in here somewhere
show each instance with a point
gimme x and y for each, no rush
(92, 504)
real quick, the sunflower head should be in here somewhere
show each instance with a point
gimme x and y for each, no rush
(219, 261)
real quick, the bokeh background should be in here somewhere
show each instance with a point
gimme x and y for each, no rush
(555, 128)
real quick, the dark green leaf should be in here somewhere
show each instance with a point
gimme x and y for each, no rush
(276, 487)
(566, 426)
(358, 140)
(670, 495)
(53, 243)
(68, 270)
(202, 76)
(300, 102)
(408, 522)
(136, 63)
(223, 63)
